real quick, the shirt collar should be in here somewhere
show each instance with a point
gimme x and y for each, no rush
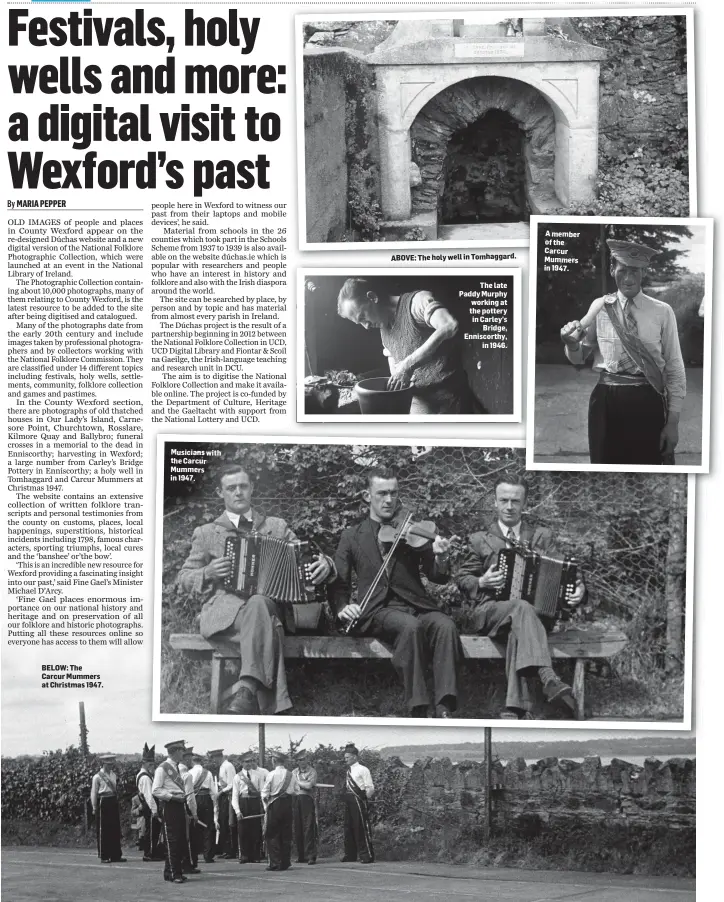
(516, 529)
(248, 517)
(635, 300)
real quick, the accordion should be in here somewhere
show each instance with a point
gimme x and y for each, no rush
(547, 583)
(271, 567)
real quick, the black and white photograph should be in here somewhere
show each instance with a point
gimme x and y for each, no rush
(306, 812)
(354, 579)
(414, 346)
(442, 129)
(620, 336)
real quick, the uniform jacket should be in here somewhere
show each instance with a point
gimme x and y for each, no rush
(358, 551)
(483, 553)
(207, 544)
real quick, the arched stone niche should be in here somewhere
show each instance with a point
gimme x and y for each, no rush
(422, 60)
(465, 104)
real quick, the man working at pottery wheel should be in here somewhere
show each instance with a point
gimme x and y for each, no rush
(418, 335)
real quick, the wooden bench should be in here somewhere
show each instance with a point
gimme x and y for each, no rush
(593, 642)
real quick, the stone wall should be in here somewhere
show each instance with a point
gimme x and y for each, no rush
(619, 816)
(340, 145)
(642, 90)
(324, 144)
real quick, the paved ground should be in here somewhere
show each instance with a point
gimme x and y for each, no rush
(65, 875)
(561, 415)
(489, 231)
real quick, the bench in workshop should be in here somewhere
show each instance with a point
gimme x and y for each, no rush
(593, 642)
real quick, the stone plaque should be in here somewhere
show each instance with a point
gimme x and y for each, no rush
(491, 50)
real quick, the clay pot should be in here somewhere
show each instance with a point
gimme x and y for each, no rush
(374, 397)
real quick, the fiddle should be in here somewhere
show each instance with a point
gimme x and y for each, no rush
(415, 534)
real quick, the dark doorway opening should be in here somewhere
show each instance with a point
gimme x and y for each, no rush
(484, 172)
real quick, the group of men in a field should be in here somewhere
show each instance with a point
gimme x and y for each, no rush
(392, 602)
(193, 805)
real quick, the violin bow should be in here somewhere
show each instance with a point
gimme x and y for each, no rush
(376, 581)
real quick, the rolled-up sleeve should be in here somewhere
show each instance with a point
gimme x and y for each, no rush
(674, 373)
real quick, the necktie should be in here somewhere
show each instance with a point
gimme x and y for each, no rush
(626, 364)
(510, 536)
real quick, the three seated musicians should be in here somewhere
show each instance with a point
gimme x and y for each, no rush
(513, 575)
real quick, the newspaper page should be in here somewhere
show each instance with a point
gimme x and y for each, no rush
(276, 498)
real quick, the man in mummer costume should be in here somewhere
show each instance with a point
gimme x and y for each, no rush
(358, 790)
(633, 412)
(104, 801)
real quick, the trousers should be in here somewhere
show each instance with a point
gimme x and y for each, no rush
(419, 639)
(527, 644)
(624, 424)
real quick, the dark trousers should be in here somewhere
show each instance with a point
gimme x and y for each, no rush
(250, 832)
(108, 829)
(357, 833)
(227, 827)
(191, 858)
(624, 424)
(279, 820)
(151, 843)
(205, 836)
(305, 827)
(173, 814)
(420, 638)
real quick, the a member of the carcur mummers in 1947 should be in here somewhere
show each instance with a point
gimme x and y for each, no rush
(398, 609)
(305, 810)
(247, 804)
(204, 787)
(358, 790)
(634, 410)
(151, 840)
(104, 801)
(527, 654)
(225, 773)
(418, 335)
(256, 622)
(277, 795)
(169, 790)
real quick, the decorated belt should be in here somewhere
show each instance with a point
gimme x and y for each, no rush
(622, 379)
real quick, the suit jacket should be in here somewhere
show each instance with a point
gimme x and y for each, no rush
(207, 544)
(358, 551)
(483, 553)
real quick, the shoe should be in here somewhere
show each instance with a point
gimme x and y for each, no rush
(285, 867)
(509, 714)
(443, 711)
(418, 711)
(301, 860)
(556, 690)
(209, 861)
(312, 861)
(192, 870)
(272, 868)
(243, 861)
(244, 702)
(527, 715)
(114, 860)
(366, 861)
(345, 858)
(179, 880)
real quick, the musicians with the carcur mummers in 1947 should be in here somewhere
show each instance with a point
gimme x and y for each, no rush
(633, 412)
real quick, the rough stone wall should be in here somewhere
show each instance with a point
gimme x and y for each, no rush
(466, 102)
(324, 145)
(528, 798)
(643, 101)
(340, 145)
